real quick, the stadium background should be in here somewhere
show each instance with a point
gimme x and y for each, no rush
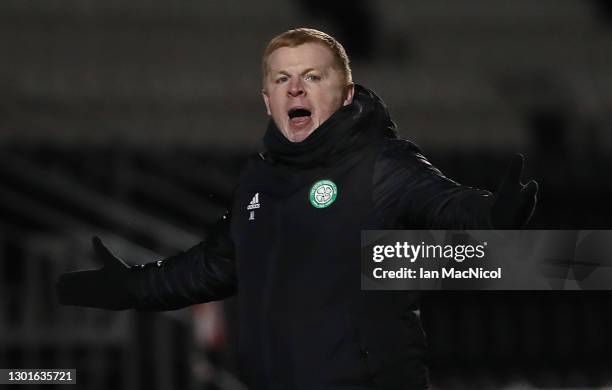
(131, 120)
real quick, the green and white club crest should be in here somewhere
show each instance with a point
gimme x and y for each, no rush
(323, 193)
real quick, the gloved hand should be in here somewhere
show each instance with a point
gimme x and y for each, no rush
(514, 203)
(105, 288)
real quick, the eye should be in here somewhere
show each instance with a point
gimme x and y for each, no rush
(281, 79)
(312, 77)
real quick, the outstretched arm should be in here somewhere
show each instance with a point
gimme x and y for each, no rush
(407, 187)
(206, 272)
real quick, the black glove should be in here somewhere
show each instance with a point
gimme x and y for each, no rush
(514, 202)
(104, 288)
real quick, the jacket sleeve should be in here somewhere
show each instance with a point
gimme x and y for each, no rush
(206, 272)
(409, 192)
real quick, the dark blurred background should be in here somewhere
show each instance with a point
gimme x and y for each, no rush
(131, 120)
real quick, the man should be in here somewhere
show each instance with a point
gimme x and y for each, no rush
(332, 166)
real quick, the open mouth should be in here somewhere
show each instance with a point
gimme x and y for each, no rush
(298, 113)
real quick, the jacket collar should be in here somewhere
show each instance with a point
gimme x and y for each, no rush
(365, 121)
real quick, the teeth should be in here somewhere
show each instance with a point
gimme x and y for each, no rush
(296, 112)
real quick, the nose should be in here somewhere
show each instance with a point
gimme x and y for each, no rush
(295, 88)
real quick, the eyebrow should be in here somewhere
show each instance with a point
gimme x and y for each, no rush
(304, 72)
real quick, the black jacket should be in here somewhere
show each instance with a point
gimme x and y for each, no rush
(304, 322)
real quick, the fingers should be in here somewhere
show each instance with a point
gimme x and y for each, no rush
(511, 184)
(529, 199)
(515, 169)
(514, 202)
(103, 253)
(93, 288)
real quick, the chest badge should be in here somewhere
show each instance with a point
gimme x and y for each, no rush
(323, 193)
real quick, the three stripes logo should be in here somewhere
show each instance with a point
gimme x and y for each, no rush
(252, 206)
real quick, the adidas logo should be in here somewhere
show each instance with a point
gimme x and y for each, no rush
(254, 202)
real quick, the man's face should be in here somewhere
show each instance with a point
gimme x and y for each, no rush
(303, 89)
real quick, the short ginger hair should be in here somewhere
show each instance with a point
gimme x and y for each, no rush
(300, 36)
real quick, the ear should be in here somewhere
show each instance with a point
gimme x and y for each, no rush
(266, 99)
(350, 92)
